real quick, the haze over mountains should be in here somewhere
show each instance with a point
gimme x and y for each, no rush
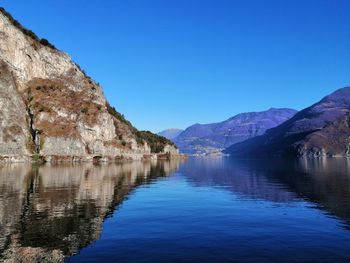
(319, 130)
(170, 133)
(214, 137)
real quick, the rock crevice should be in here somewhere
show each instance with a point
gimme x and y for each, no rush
(34, 132)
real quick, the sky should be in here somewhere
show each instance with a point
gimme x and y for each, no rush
(173, 63)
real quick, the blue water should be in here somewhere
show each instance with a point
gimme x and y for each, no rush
(221, 210)
(202, 210)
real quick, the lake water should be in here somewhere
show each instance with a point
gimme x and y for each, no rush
(200, 210)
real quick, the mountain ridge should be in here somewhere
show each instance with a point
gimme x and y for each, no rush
(214, 137)
(318, 130)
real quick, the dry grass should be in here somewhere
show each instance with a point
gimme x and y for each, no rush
(55, 99)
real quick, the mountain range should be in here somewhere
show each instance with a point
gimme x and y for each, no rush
(322, 129)
(215, 137)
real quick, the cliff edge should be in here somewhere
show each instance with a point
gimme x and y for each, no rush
(51, 110)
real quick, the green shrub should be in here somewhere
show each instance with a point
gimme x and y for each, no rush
(156, 142)
(111, 110)
(45, 42)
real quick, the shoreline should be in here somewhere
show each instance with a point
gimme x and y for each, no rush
(8, 159)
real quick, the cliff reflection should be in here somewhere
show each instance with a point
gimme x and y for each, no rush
(50, 211)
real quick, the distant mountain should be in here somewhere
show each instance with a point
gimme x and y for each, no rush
(170, 133)
(319, 130)
(209, 138)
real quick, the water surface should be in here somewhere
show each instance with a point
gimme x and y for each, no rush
(201, 210)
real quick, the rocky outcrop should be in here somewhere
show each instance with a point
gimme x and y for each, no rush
(15, 136)
(322, 129)
(51, 109)
(213, 138)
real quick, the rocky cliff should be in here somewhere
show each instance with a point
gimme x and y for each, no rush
(214, 137)
(322, 129)
(50, 109)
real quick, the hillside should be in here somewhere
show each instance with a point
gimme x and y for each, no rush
(51, 110)
(319, 130)
(209, 138)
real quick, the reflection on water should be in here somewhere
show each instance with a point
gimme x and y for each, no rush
(323, 181)
(208, 210)
(50, 211)
(243, 177)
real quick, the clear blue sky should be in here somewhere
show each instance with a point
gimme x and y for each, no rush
(172, 63)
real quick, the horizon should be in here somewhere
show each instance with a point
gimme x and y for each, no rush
(212, 66)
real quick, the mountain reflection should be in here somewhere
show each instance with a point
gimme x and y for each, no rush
(243, 177)
(49, 211)
(324, 182)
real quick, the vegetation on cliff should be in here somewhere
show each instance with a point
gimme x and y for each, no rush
(156, 142)
(111, 110)
(55, 109)
(26, 31)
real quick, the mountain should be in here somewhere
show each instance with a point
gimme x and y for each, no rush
(52, 110)
(209, 138)
(170, 133)
(319, 130)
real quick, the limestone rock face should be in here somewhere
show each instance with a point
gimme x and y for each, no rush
(50, 107)
(171, 150)
(14, 132)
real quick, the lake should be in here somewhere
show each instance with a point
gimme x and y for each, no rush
(217, 209)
